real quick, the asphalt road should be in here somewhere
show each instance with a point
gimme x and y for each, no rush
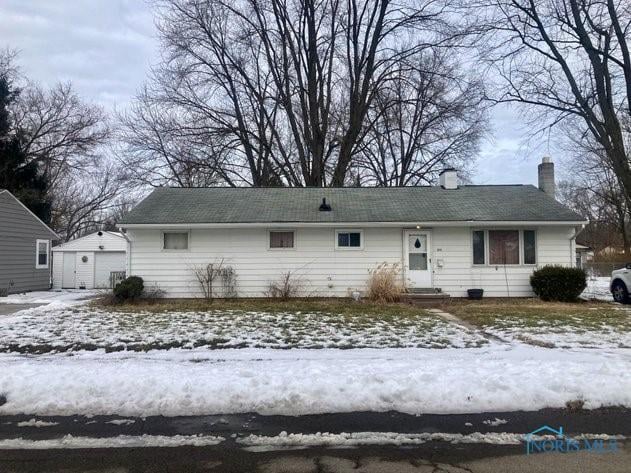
(230, 457)
(432, 457)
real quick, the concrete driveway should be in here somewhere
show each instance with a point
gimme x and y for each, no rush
(8, 309)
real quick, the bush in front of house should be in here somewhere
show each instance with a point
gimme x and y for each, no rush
(558, 283)
(384, 283)
(129, 288)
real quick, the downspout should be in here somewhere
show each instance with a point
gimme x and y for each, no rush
(128, 263)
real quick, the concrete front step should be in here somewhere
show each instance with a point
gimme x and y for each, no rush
(429, 299)
(423, 290)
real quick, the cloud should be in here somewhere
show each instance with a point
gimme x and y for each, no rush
(104, 47)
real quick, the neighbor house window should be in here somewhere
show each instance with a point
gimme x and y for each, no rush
(349, 239)
(175, 241)
(281, 240)
(41, 256)
(478, 247)
(499, 247)
(530, 247)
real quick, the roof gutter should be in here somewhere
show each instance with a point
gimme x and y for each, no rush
(461, 223)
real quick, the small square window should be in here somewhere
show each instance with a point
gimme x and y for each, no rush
(281, 240)
(175, 241)
(349, 239)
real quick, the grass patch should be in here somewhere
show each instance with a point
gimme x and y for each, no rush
(338, 306)
(533, 312)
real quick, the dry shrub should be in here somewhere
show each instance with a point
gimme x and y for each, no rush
(286, 287)
(208, 274)
(384, 283)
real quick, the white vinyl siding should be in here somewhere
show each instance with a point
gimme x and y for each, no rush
(323, 270)
(454, 248)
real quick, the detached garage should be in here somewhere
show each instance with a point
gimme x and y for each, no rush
(90, 262)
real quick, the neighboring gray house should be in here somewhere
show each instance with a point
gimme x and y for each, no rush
(25, 243)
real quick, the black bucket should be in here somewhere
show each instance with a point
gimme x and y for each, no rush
(475, 294)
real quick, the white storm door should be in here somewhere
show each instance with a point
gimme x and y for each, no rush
(418, 262)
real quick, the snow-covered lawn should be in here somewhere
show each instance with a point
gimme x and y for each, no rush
(294, 382)
(66, 297)
(53, 328)
(69, 357)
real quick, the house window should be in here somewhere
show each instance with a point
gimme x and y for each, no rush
(281, 240)
(175, 241)
(478, 247)
(349, 240)
(530, 247)
(41, 256)
(503, 247)
(500, 247)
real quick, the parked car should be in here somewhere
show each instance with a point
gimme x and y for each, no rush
(620, 284)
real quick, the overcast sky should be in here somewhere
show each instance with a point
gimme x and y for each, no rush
(106, 48)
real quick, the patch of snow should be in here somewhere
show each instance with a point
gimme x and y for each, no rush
(63, 297)
(495, 422)
(63, 328)
(121, 421)
(36, 423)
(121, 441)
(285, 440)
(297, 382)
(468, 424)
(598, 289)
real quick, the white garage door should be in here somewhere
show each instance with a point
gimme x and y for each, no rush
(104, 264)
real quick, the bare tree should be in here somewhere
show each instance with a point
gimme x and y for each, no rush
(570, 60)
(159, 151)
(85, 202)
(594, 190)
(428, 116)
(65, 139)
(62, 133)
(276, 92)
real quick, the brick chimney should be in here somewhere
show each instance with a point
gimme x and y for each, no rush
(546, 176)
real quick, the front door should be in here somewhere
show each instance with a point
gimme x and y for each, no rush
(418, 261)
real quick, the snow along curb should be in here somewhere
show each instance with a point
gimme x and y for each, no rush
(121, 441)
(282, 441)
(300, 382)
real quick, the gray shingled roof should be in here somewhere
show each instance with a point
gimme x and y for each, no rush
(363, 204)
